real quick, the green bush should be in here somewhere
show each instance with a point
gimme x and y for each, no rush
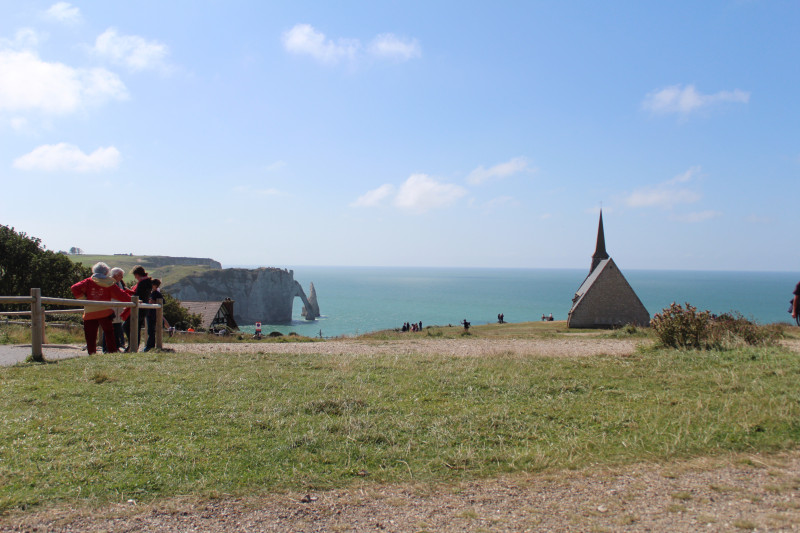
(730, 330)
(25, 263)
(179, 316)
(679, 327)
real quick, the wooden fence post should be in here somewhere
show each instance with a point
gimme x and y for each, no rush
(37, 326)
(133, 340)
(44, 327)
(160, 324)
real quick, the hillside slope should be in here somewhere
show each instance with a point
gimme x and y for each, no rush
(169, 269)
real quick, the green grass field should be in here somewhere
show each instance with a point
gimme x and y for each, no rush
(105, 429)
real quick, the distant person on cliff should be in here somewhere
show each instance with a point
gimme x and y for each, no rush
(142, 289)
(796, 302)
(98, 287)
(152, 315)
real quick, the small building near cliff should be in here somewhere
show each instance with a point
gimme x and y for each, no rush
(213, 314)
(605, 299)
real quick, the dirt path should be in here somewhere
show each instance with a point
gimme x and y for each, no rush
(555, 346)
(732, 493)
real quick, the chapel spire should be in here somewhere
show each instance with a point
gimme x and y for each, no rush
(600, 250)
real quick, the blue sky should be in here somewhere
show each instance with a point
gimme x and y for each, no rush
(406, 133)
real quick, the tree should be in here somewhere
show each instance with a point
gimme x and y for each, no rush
(24, 263)
(177, 315)
(75, 251)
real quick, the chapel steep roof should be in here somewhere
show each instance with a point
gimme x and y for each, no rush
(600, 253)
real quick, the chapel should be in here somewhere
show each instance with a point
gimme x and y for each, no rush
(605, 299)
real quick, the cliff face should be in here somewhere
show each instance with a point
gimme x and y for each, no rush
(261, 295)
(312, 299)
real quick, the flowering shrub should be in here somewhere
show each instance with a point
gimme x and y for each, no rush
(732, 329)
(679, 327)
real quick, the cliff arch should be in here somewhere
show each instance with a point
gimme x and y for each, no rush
(262, 295)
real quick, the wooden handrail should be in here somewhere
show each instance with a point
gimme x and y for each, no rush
(37, 316)
(84, 303)
(15, 299)
(48, 312)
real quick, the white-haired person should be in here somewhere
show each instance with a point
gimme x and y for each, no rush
(119, 334)
(99, 287)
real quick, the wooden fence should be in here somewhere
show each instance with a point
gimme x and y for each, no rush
(37, 312)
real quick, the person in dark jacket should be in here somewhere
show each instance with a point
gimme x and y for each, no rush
(155, 298)
(142, 289)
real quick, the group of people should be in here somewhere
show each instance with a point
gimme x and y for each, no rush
(106, 285)
(547, 318)
(414, 327)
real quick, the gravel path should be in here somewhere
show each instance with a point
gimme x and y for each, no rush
(732, 493)
(560, 347)
(13, 354)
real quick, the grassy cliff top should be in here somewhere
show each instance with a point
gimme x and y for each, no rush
(156, 266)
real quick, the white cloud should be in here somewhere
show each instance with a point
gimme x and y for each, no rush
(388, 45)
(693, 218)
(374, 197)
(24, 39)
(250, 191)
(64, 12)
(500, 202)
(759, 219)
(68, 157)
(685, 177)
(29, 84)
(502, 170)
(684, 100)
(661, 196)
(666, 194)
(131, 51)
(19, 123)
(421, 193)
(305, 40)
(277, 165)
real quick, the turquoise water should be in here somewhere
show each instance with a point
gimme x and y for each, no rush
(356, 300)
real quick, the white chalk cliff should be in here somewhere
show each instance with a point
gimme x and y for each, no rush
(262, 295)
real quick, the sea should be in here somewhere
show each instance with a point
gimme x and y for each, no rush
(357, 300)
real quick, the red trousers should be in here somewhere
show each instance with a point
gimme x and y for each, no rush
(90, 333)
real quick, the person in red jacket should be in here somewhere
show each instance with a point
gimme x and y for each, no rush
(99, 287)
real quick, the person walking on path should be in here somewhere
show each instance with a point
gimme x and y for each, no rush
(98, 287)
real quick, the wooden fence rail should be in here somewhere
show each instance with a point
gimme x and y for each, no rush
(37, 312)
